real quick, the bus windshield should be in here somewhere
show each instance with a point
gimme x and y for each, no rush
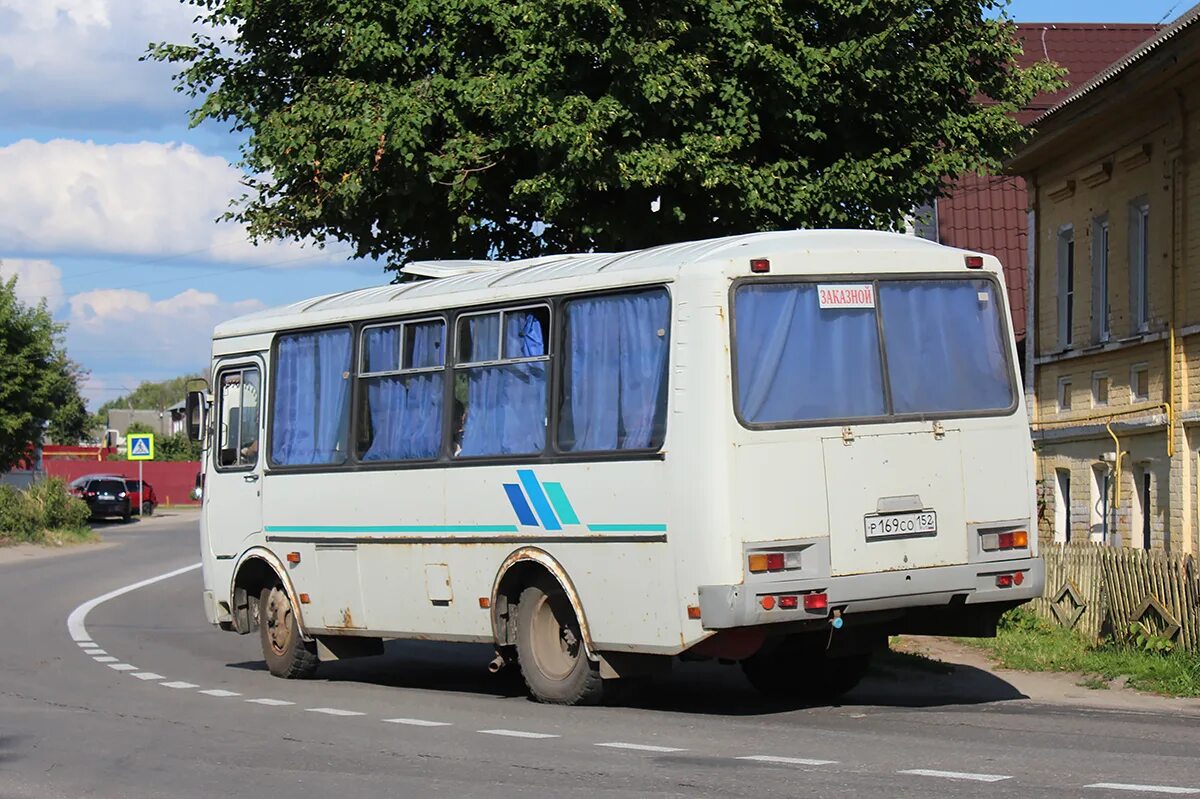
(808, 352)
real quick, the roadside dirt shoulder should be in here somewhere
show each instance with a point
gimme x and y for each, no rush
(1049, 687)
(21, 553)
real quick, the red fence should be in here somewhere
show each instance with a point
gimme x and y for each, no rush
(173, 481)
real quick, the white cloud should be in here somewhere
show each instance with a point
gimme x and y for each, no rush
(146, 198)
(74, 63)
(36, 280)
(117, 333)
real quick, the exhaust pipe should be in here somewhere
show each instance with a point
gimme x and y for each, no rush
(497, 663)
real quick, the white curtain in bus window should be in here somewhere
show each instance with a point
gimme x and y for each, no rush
(614, 372)
(311, 407)
(403, 419)
(797, 361)
(501, 407)
(945, 346)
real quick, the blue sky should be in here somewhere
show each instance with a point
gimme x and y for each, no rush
(108, 199)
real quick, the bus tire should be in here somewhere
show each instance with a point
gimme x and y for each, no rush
(287, 654)
(551, 650)
(790, 670)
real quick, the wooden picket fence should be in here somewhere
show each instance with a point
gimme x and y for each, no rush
(1100, 590)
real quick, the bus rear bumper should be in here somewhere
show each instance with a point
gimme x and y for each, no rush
(727, 606)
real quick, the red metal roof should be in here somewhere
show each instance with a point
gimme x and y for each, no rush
(988, 213)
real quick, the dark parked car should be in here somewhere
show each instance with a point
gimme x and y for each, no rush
(106, 496)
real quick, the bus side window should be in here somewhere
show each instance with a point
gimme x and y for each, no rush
(238, 419)
(614, 372)
(500, 383)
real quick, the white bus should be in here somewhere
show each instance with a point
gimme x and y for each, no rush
(776, 449)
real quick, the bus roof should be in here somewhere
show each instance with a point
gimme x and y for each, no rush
(453, 277)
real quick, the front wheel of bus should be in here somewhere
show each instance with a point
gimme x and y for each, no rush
(551, 651)
(286, 652)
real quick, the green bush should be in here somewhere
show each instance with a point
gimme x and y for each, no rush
(44, 507)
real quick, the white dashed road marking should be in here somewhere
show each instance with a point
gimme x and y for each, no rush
(1121, 786)
(94, 652)
(956, 775)
(518, 734)
(418, 722)
(122, 666)
(334, 711)
(640, 747)
(106, 659)
(788, 761)
(270, 702)
(219, 692)
(178, 684)
(147, 675)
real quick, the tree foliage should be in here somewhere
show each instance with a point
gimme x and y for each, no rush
(149, 395)
(39, 385)
(509, 128)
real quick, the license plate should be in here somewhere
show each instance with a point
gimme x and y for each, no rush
(107, 496)
(898, 525)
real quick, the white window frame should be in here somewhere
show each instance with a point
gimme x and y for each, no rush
(1133, 370)
(1096, 378)
(1100, 249)
(1060, 395)
(1066, 286)
(1139, 265)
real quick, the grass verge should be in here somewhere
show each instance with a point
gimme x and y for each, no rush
(43, 514)
(1028, 643)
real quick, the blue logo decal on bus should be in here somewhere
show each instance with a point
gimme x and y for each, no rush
(539, 504)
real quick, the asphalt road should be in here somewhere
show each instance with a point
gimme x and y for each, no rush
(156, 703)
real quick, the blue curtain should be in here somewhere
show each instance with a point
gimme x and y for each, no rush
(523, 335)
(381, 347)
(483, 342)
(406, 410)
(311, 412)
(799, 362)
(945, 348)
(615, 372)
(505, 410)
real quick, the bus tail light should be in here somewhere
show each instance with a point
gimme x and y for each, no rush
(767, 602)
(1018, 578)
(790, 602)
(816, 601)
(760, 562)
(1004, 580)
(996, 542)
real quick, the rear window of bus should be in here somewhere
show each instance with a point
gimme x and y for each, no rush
(809, 352)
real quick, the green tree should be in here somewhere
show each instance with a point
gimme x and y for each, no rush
(177, 447)
(39, 385)
(509, 128)
(149, 395)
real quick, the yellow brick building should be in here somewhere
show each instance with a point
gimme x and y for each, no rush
(1113, 337)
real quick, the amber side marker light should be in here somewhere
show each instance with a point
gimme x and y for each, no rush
(484, 602)
(293, 557)
(304, 600)
(693, 611)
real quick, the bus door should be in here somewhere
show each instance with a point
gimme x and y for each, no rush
(233, 490)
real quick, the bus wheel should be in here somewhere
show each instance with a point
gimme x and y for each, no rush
(287, 654)
(551, 651)
(791, 670)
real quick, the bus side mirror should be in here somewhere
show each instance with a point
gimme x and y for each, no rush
(195, 412)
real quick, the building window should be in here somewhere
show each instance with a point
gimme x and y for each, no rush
(1099, 504)
(1066, 286)
(1064, 393)
(1139, 265)
(1100, 279)
(1099, 388)
(1139, 516)
(1139, 382)
(1062, 506)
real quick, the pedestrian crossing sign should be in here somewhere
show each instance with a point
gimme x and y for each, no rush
(139, 447)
